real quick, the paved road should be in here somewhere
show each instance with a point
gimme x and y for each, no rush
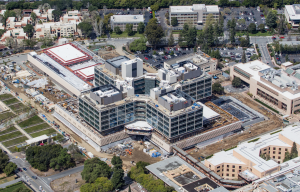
(262, 44)
(62, 174)
(10, 183)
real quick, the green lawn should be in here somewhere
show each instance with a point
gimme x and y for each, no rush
(11, 101)
(5, 96)
(7, 130)
(35, 128)
(15, 141)
(255, 34)
(47, 132)
(33, 120)
(6, 115)
(12, 149)
(17, 107)
(10, 135)
(13, 187)
(114, 35)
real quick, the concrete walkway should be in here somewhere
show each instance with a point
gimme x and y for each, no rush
(3, 147)
(22, 131)
(10, 183)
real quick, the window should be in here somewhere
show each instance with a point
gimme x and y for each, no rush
(273, 152)
(233, 166)
(228, 166)
(227, 174)
(233, 175)
(218, 167)
(227, 170)
(240, 167)
(273, 157)
(285, 149)
(279, 157)
(218, 171)
(240, 171)
(274, 148)
(209, 166)
(279, 149)
(233, 170)
(279, 152)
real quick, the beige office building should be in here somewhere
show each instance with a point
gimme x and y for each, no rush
(195, 14)
(122, 20)
(248, 159)
(277, 88)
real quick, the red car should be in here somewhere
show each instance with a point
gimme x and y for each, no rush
(262, 15)
(274, 38)
(146, 58)
(281, 37)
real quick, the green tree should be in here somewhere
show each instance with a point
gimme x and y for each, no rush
(117, 178)
(254, 57)
(117, 30)
(56, 15)
(286, 57)
(63, 161)
(101, 184)
(261, 27)
(85, 27)
(22, 189)
(271, 19)
(141, 28)
(217, 88)
(154, 7)
(244, 60)
(236, 82)
(287, 156)
(174, 21)
(4, 159)
(252, 28)
(138, 45)
(294, 151)
(117, 161)
(29, 30)
(171, 40)
(10, 168)
(154, 33)
(129, 30)
(94, 168)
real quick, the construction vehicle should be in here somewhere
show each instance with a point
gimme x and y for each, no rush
(129, 151)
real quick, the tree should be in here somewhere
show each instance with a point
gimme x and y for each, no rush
(286, 57)
(29, 30)
(154, 7)
(138, 45)
(85, 27)
(22, 189)
(9, 42)
(227, 11)
(261, 27)
(174, 21)
(271, 19)
(241, 21)
(294, 151)
(56, 15)
(141, 28)
(171, 40)
(129, 30)
(287, 156)
(154, 33)
(282, 25)
(117, 161)
(117, 30)
(217, 88)
(40, 157)
(252, 28)
(33, 17)
(244, 60)
(236, 82)
(101, 184)
(254, 57)
(210, 20)
(4, 159)
(94, 168)
(10, 168)
(117, 178)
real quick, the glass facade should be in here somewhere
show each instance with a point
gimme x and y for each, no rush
(140, 111)
(198, 89)
(102, 79)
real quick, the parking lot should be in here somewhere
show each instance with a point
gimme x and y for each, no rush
(236, 53)
(162, 55)
(251, 15)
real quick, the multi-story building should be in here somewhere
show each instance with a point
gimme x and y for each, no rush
(122, 20)
(253, 160)
(292, 14)
(71, 16)
(195, 14)
(43, 15)
(277, 88)
(17, 34)
(57, 29)
(12, 23)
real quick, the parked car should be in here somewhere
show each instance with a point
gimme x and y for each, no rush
(146, 58)
(33, 177)
(24, 169)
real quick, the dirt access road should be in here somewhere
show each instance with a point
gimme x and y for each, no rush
(257, 129)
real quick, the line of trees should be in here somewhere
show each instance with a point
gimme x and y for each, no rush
(293, 154)
(5, 166)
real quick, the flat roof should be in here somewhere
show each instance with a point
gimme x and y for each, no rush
(170, 164)
(67, 54)
(37, 139)
(195, 8)
(127, 18)
(140, 125)
(286, 64)
(64, 73)
(117, 61)
(208, 113)
(291, 12)
(253, 67)
(87, 72)
(191, 187)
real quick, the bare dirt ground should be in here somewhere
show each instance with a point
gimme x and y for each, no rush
(108, 54)
(49, 172)
(138, 155)
(67, 184)
(272, 123)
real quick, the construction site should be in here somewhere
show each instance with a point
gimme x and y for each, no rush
(272, 122)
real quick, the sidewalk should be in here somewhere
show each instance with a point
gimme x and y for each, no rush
(10, 183)
(22, 131)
